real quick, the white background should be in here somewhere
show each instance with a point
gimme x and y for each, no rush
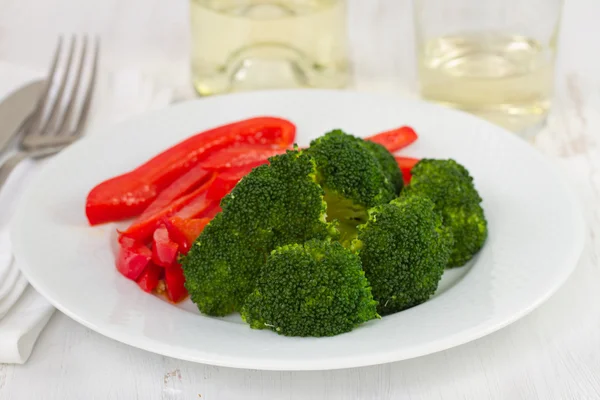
(554, 353)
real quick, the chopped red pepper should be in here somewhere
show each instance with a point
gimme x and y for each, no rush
(406, 164)
(127, 195)
(177, 235)
(164, 250)
(144, 227)
(148, 280)
(175, 280)
(186, 231)
(395, 139)
(133, 258)
(241, 156)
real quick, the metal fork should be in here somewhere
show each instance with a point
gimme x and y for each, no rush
(55, 123)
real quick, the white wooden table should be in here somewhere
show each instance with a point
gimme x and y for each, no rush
(553, 353)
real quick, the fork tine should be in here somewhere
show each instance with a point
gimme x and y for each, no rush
(38, 114)
(54, 110)
(64, 125)
(42, 142)
(89, 91)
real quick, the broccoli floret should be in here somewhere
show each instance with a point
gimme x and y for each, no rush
(449, 185)
(313, 289)
(274, 205)
(388, 164)
(352, 177)
(403, 248)
(347, 167)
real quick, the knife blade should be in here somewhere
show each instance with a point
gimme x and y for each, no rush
(15, 108)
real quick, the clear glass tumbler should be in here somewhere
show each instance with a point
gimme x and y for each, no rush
(263, 44)
(493, 58)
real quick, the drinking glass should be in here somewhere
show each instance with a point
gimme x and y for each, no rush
(264, 44)
(493, 58)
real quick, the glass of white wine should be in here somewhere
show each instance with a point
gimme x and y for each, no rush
(493, 58)
(265, 44)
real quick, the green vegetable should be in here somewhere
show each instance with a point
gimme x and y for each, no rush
(388, 164)
(313, 289)
(404, 248)
(449, 185)
(353, 179)
(274, 205)
(317, 242)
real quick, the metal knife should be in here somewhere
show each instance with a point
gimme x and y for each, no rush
(15, 108)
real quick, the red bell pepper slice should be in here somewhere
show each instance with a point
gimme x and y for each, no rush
(188, 181)
(164, 250)
(220, 188)
(406, 164)
(196, 206)
(148, 280)
(143, 228)
(133, 258)
(211, 212)
(186, 231)
(395, 139)
(226, 180)
(241, 156)
(175, 281)
(127, 195)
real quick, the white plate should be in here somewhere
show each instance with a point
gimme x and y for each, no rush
(535, 236)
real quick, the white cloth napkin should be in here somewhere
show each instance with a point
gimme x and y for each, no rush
(23, 312)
